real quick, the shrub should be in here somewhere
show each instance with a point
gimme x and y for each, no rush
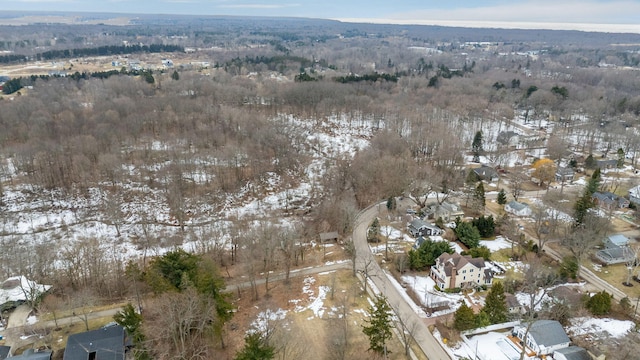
(599, 304)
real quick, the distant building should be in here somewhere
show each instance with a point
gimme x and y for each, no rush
(564, 174)
(609, 201)
(487, 173)
(517, 208)
(616, 250)
(447, 211)
(634, 195)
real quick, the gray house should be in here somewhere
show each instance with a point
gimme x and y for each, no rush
(419, 227)
(609, 201)
(4, 351)
(544, 337)
(564, 174)
(607, 164)
(616, 250)
(447, 211)
(31, 354)
(517, 208)
(106, 343)
(571, 353)
(487, 173)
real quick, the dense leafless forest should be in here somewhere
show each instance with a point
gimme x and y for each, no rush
(101, 172)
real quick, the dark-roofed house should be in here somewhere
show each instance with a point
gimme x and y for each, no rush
(4, 351)
(31, 354)
(508, 138)
(571, 353)
(607, 164)
(487, 173)
(107, 343)
(458, 271)
(544, 337)
(609, 201)
(419, 227)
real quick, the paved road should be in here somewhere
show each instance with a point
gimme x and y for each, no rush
(591, 278)
(364, 258)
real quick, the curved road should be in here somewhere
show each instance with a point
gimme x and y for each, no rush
(364, 258)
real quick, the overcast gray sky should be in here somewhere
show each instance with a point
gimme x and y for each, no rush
(563, 13)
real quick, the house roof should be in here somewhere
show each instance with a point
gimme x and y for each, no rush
(486, 172)
(574, 353)
(418, 223)
(619, 240)
(458, 261)
(4, 352)
(328, 236)
(30, 354)
(108, 343)
(505, 136)
(511, 300)
(517, 206)
(564, 171)
(635, 191)
(607, 162)
(605, 196)
(548, 333)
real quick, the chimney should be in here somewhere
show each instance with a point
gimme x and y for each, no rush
(452, 282)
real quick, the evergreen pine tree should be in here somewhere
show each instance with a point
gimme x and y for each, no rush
(476, 146)
(502, 197)
(620, 158)
(464, 318)
(479, 197)
(255, 348)
(495, 304)
(374, 230)
(379, 329)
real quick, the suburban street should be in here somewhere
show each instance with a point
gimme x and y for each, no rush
(364, 258)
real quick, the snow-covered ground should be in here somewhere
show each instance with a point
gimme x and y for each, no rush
(424, 288)
(499, 243)
(19, 288)
(599, 329)
(489, 346)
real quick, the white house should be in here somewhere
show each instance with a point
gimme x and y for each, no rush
(517, 208)
(544, 336)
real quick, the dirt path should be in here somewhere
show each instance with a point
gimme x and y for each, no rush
(18, 317)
